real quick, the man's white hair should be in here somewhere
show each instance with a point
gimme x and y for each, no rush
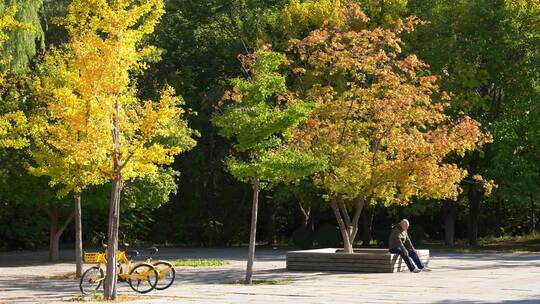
(405, 221)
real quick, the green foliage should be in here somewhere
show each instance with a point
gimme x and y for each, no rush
(385, 12)
(303, 238)
(259, 120)
(140, 198)
(328, 235)
(23, 44)
(298, 18)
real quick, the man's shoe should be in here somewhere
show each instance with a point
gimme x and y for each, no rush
(426, 269)
(416, 270)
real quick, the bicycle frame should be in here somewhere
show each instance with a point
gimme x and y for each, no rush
(124, 264)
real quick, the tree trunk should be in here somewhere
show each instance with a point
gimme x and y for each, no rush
(112, 246)
(367, 225)
(449, 217)
(347, 226)
(253, 232)
(78, 236)
(269, 222)
(114, 211)
(55, 232)
(347, 243)
(533, 222)
(311, 218)
(54, 252)
(538, 226)
(474, 212)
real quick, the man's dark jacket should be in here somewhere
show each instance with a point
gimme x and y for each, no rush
(399, 239)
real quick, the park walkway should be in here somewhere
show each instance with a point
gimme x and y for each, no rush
(456, 278)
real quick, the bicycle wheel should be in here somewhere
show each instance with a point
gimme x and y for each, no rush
(167, 274)
(91, 280)
(143, 278)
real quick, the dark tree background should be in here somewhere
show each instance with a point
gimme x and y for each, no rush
(487, 53)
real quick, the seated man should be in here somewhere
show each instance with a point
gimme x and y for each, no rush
(401, 244)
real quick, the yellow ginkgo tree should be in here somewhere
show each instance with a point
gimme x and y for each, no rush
(136, 136)
(68, 134)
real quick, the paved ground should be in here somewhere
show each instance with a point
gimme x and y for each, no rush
(456, 278)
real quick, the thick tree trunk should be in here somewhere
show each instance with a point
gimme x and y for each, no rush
(347, 226)
(449, 217)
(112, 246)
(78, 236)
(347, 244)
(253, 232)
(474, 212)
(55, 231)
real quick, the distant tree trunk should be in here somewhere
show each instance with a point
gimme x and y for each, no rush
(306, 215)
(538, 227)
(78, 236)
(270, 223)
(253, 232)
(449, 212)
(55, 231)
(53, 240)
(538, 217)
(312, 217)
(474, 212)
(347, 226)
(533, 221)
(367, 225)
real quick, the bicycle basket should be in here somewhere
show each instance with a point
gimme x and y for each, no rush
(91, 257)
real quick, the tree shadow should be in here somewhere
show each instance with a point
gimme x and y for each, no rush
(535, 300)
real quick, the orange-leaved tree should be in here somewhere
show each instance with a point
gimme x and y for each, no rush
(379, 122)
(107, 42)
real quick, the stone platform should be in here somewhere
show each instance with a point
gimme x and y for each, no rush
(362, 260)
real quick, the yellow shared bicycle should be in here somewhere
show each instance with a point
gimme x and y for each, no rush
(142, 277)
(166, 270)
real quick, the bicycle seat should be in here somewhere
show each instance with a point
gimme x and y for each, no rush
(130, 254)
(151, 251)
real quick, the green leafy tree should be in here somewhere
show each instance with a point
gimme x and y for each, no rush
(486, 53)
(258, 120)
(23, 44)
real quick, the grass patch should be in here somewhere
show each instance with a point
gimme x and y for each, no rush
(263, 282)
(199, 263)
(64, 276)
(98, 297)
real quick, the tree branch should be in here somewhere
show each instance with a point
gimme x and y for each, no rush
(359, 207)
(66, 223)
(345, 214)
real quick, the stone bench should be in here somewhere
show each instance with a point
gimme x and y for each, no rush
(362, 260)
